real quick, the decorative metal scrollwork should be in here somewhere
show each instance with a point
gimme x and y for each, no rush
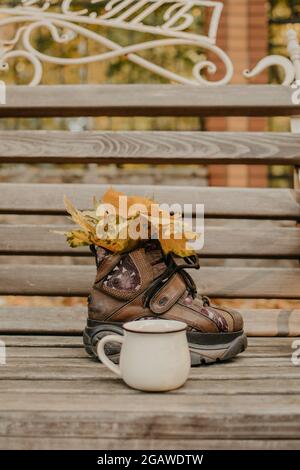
(64, 23)
(290, 67)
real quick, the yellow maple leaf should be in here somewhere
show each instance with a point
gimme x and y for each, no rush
(112, 197)
(178, 247)
(78, 238)
(119, 234)
(116, 245)
(78, 217)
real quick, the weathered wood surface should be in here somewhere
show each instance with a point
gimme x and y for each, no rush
(218, 202)
(148, 100)
(43, 341)
(51, 394)
(71, 320)
(220, 282)
(52, 443)
(61, 341)
(272, 322)
(219, 242)
(46, 402)
(111, 386)
(78, 352)
(244, 362)
(49, 320)
(60, 371)
(149, 147)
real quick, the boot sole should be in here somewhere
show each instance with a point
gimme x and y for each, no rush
(222, 350)
(205, 348)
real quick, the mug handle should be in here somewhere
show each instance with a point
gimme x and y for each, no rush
(103, 357)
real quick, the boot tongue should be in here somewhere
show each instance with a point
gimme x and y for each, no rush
(126, 275)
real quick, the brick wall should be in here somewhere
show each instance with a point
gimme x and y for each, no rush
(243, 34)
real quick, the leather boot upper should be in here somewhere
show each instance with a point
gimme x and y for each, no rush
(144, 284)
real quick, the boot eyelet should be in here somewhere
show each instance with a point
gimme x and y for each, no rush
(163, 301)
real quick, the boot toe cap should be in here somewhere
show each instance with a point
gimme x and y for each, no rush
(238, 322)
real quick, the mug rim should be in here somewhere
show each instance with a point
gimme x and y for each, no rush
(181, 326)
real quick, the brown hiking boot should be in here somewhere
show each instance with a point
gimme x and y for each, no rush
(144, 284)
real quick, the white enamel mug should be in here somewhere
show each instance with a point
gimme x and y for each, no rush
(154, 356)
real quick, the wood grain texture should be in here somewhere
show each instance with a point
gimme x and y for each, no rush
(218, 202)
(282, 351)
(44, 341)
(149, 147)
(62, 341)
(148, 100)
(194, 386)
(50, 320)
(219, 242)
(215, 282)
(168, 416)
(51, 394)
(59, 371)
(140, 403)
(71, 320)
(52, 443)
(272, 322)
(86, 364)
(89, 364)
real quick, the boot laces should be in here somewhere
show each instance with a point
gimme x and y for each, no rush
(191, 262)
(206, 300)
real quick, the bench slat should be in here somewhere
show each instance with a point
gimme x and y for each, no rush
(72, 320)
(148, 100)
(214, 387)
(226, 371)
(149, 147)
(183, 416)
(259, 353)
(37, 395)
(73, 443)
(220, 242)
(257, 345)
(215, 282)
(84, 361)
(219, 202)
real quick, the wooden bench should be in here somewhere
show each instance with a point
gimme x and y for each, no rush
(52, 396)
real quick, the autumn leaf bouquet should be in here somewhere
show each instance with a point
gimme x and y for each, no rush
(119, 223)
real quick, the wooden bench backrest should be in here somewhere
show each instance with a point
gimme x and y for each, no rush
(159, 148)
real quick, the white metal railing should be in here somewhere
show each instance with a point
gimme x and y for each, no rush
(64, 23)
